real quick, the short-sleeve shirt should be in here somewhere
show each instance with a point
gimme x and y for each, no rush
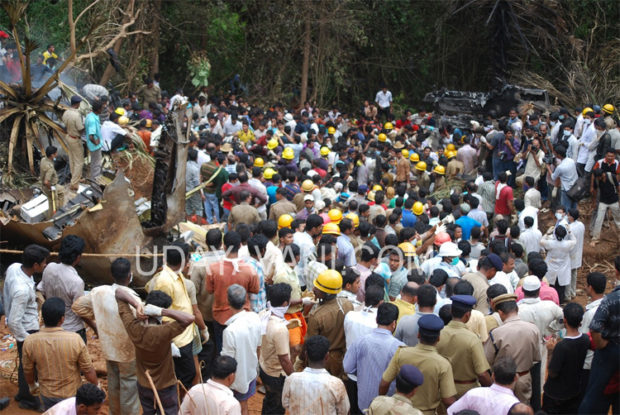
(566, 366)
(501, 204)
(92, 125)
(48, 173)
(63, 281)
(73, 123)
(438, 378)
(464, 351)
(275, 343)
(467, 224)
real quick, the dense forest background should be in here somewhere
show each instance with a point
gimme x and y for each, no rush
(342, 50)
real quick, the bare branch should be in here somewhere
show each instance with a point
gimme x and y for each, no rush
(77, 19)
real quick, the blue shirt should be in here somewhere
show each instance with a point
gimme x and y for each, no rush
(92, 125)
(271, 192)
(467, 224)
(346, 252)
(409, 219)
(367, 358)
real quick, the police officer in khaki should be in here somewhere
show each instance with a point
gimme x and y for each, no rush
(438, 386)
(327, 318)
(49, 181)
(463, 348)
(74, 126)
(407, 382)
(516, 338)
(243, 212)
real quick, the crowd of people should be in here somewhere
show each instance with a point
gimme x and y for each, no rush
(356, 263)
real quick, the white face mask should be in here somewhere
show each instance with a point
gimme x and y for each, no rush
(553, 123)
(558, 216)
(567, 133)
(587, 121)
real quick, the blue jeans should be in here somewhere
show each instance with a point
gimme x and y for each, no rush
(497, 166)
(604, 364)
(212, 208)
(566, 201)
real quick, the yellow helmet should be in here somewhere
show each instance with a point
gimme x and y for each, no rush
(259, 162)
(608, 109)
(120, 111)
(149, 123)
(331, 130)
(268, 173)
(288, 154)
(335, 215)
(307, 185)
(407, 248)
(382, 138)
(123, 120)
(418, 208)
(377, 187)
(388, 126)
(586, 110)
(324, 151)
(329, 282)
(439, 169)
(450, 153)
(371, 196)
(271, 144)
(354, 218)
(405, 152)
(421, 166)
(414, 157)
(331, 229)
(284, 221)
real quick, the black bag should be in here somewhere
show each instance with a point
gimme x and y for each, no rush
(579, 189)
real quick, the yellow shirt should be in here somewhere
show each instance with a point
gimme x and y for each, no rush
(173, 284)
(47, 55)
(245, 137)
(404, 308)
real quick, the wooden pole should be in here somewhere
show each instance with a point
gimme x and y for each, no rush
(161, 407)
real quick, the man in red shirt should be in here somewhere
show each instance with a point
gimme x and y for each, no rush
(227, 202)
(503, 197)
(221, 275)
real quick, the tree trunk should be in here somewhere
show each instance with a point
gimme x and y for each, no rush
(155, 37)
(306, 63)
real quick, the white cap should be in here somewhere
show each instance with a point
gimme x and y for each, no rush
(449, 249)
(288, 117)
(308, 197)
(531, 283)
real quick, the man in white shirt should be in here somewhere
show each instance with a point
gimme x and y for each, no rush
(532, 195)
(566, 171)
(384, 102)
(531, 236)
(99, 306)
(360, 323)
(110, 130)
(596, 283)
(578, 230)
(496, 399)
(214, 396)
(534, 162)
(241, 341)
(587, 137)
(232, 125)
(22, 313)
(87, 400)
(315, 391)
(523, 212)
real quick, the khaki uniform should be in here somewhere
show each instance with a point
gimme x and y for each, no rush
(480, 284)
(492, 321)
(280, 208)
(521, 341)
(327, 320)
(440, 183)
(149, 95)
(392, 405)
(424, 179)
(437, 371)
(298, 201)
(243, 213)
(477, 324)
(454, 167)
(75, 127)
(464, 351)
(48, 174)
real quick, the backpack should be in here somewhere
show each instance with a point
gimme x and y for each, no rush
(603, 145)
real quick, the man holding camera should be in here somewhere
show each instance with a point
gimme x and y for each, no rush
(605, 179)
(566, 171)
(534, 162)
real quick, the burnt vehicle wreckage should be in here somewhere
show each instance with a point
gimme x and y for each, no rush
(458, 108)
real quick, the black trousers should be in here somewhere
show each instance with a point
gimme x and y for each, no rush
(82, 334)
(272, 403)
(23, 394)
(535, 399)
(168, 397)
(351, 387)
(184, 366)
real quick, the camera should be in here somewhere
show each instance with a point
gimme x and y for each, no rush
(548, 159)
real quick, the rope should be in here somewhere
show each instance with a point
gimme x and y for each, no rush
(89, 254)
